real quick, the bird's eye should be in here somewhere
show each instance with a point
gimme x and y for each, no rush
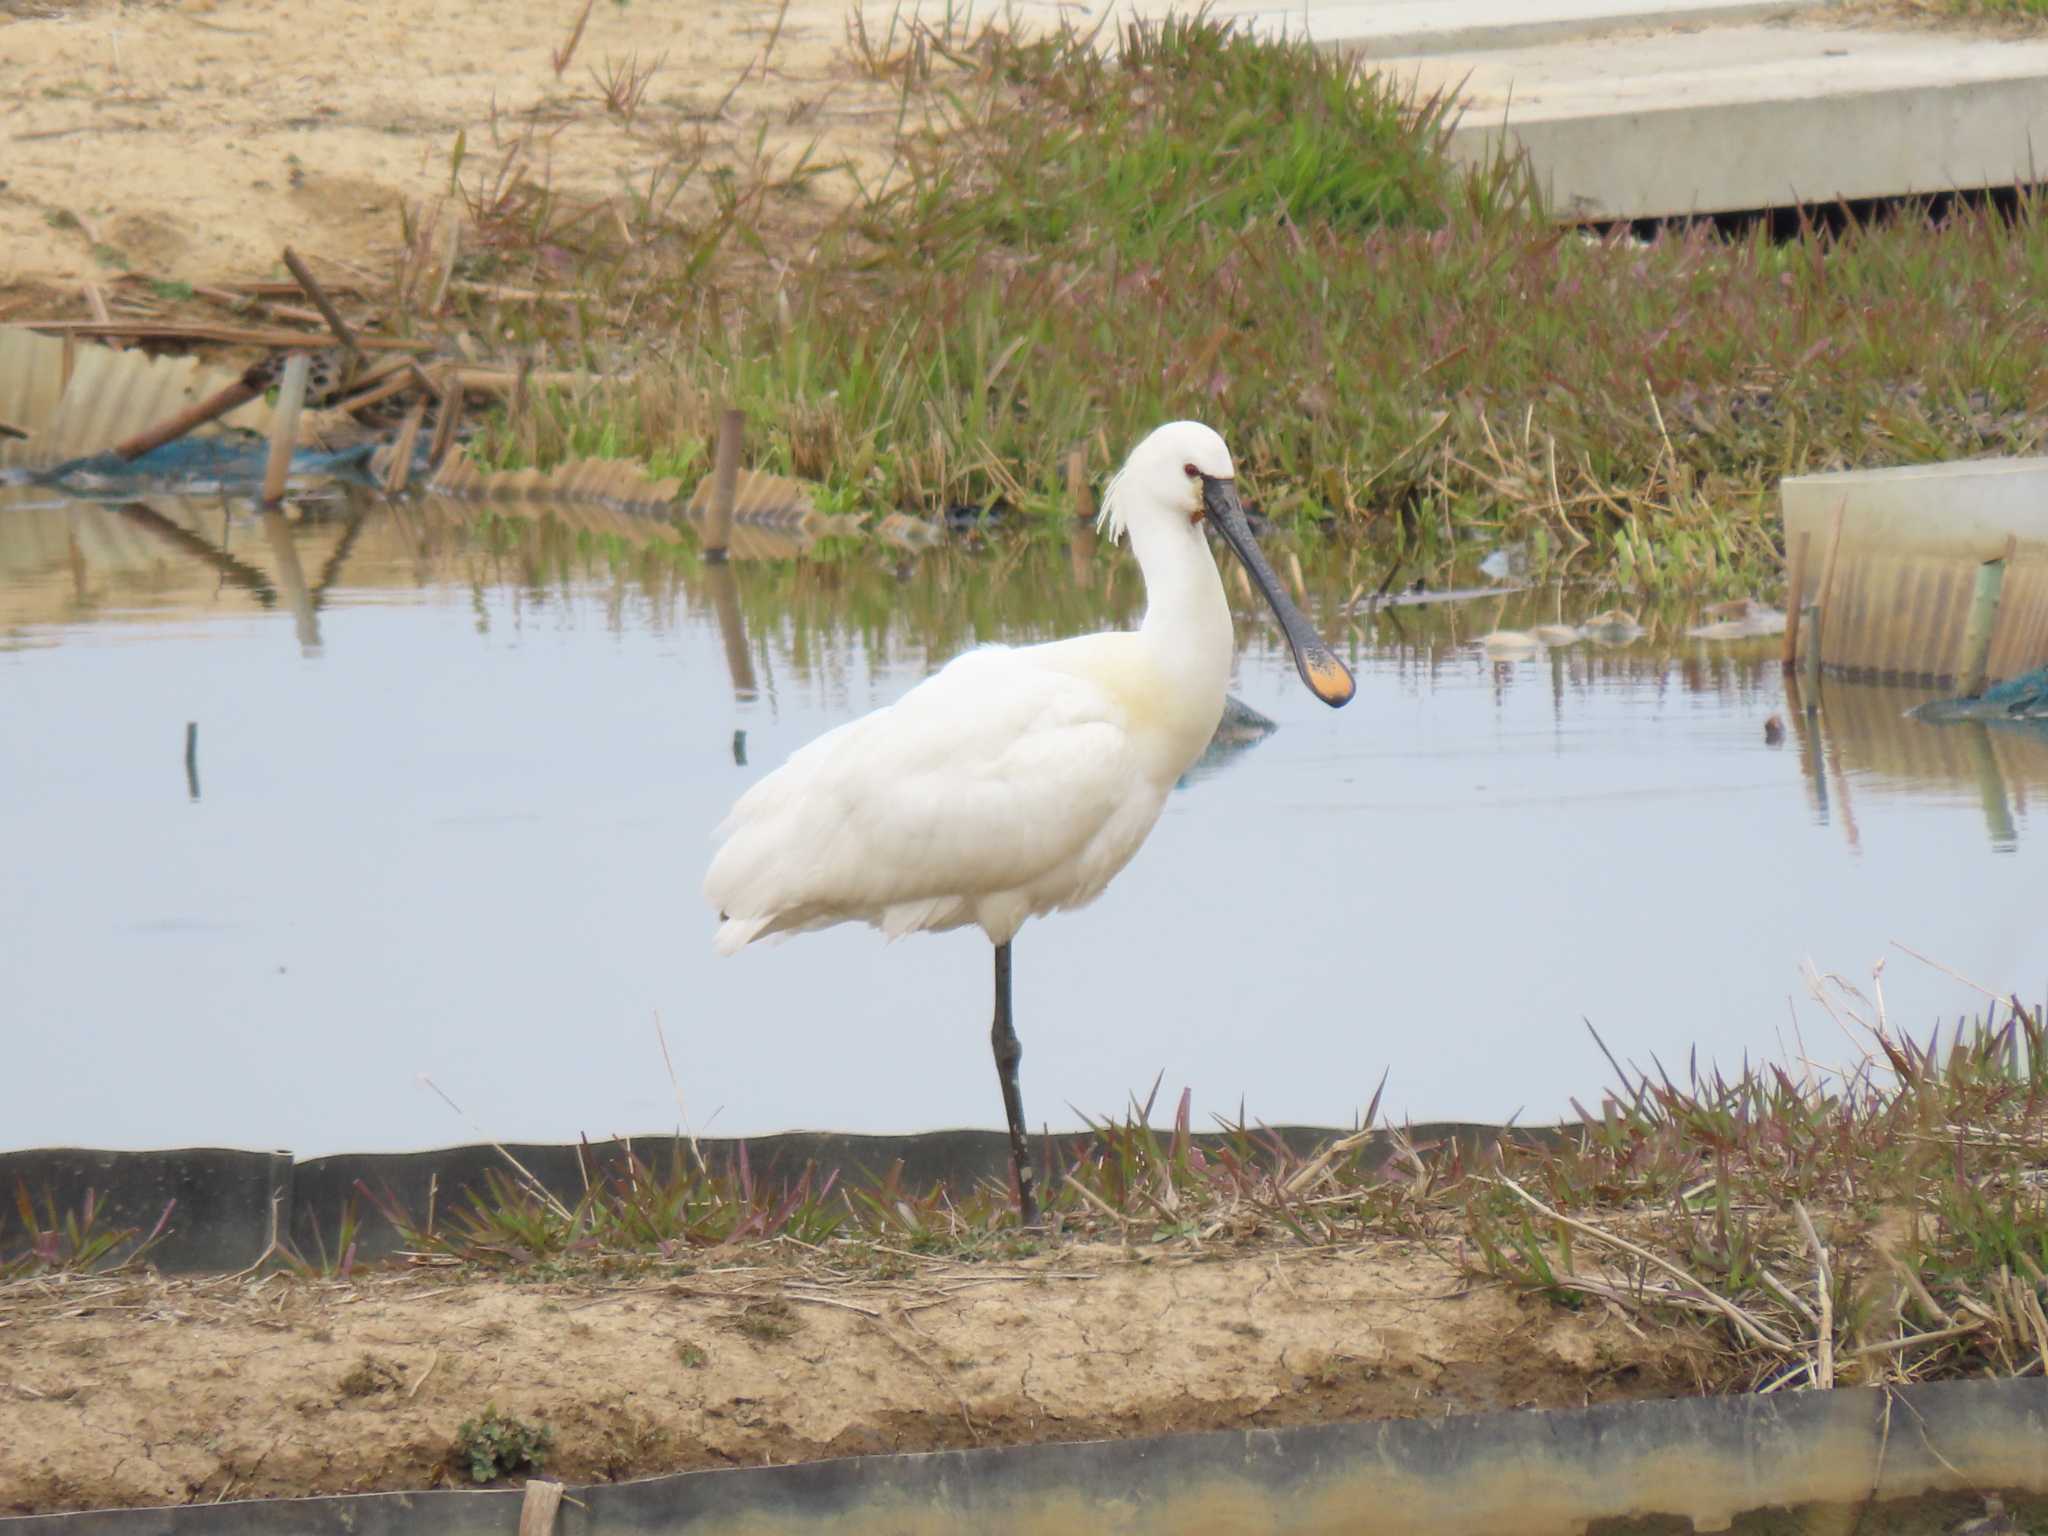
(1191, 472)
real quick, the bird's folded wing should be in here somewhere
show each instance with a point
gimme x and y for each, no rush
(983, 778)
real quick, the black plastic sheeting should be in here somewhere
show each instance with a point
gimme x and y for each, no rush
(1710, 1460)
(227, 1200)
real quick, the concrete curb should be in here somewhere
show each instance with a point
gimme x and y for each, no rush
(1385, 32)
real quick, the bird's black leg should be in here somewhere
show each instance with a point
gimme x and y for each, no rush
(1003, 1036)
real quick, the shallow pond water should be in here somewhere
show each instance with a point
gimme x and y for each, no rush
(455, 777)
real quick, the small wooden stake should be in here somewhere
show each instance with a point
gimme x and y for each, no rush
(1983, 620)
(192, 758)
(1077, 486)
(1082, 540)
(284, 427)
(725, 474)
(1812, 614)
(1795, 600)
(447, 417)
(537, 1509)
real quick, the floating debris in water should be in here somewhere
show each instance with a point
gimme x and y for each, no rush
(1743, 619)
(961, 518)
(2023, 699)
(1774, 731)
(907, 532)
(1509, 643)
(1616, 626)
(67, 400)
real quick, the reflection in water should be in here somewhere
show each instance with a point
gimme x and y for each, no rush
(732, 634)
(1870, 733)
(284, 551)
(494, 746)
(62, 561)
(1240, 729)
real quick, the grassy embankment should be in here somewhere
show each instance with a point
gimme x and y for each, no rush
(1070, 249)
(1886, 1221)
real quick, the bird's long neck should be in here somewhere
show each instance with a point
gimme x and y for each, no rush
(1187, 630)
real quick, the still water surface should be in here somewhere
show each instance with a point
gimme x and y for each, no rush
(455, 779)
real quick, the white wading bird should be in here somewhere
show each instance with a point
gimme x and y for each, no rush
(1016, 782)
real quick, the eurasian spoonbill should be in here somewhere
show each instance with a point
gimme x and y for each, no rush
(1015, 782)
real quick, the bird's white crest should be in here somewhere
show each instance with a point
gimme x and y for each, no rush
(1156, 473)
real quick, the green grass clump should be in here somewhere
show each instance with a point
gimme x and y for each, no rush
(1189, 128)
(514, 1223)
(2014, 8)
(1904, 1203)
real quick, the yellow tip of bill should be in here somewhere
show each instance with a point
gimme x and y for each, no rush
(1329, 679)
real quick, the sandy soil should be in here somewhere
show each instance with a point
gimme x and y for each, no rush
(140, 1391)
(193, 140)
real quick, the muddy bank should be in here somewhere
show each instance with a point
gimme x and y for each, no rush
(146, 1390)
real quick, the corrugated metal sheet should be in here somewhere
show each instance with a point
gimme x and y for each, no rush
(108, 395)
(617, 483)
(774, 516)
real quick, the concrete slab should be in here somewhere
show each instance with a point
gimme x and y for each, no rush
(1965, 509)
(1739, 117)
(1391, 28)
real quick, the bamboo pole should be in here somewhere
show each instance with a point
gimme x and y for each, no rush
(1795, 600)
(1982, 623)
(231, 335)
(284, 427)
(447, 417)
(1827, 586)
(305, 279)
(228, 398)
(399, 470)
